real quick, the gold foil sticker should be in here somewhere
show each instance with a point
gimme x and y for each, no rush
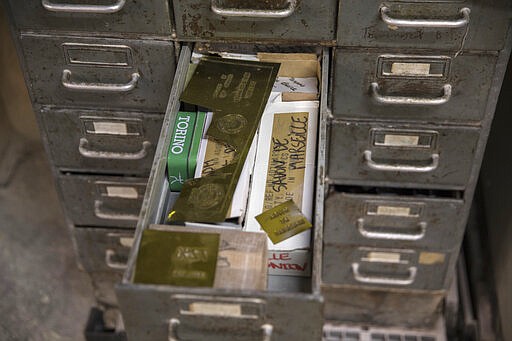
(283, 221)
(431, 258)
(287, 159)
(410, 69)
(177, 258)
(394, 211)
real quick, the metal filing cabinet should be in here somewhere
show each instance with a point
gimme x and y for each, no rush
(415, 85)
(99, 75)
(407, 96)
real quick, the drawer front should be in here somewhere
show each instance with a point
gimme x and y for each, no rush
(152, 314)
(103, 284)
(404, 308)
(99, 73)
(392, 221)
(102, 141)
(102, 200)
(439, 24)
(430, 88)
(276, 20)
(403, 155)
(385, 268)
(104, 16)
(103, 250)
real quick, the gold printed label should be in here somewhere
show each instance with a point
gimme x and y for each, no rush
(283, 221)
(410, 69)
(287, 159)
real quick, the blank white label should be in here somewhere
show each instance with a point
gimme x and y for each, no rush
(410, 69)
(394, 211)
(215, 309)
(383, 257)
(111, 128)
(401, 140)
(122, 192)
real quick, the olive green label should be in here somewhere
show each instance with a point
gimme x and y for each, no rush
(177, 258)
(283, 221)
(237, 92)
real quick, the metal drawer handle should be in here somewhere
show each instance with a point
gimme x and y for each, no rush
(416, 235)
(266, 329)
(99, 9)
(236, 12)
(384, 280)
(109, 254)
(98, 212)
(447, 94)
(400, 168)
(96, 154)
(463, 21)
(103, 87)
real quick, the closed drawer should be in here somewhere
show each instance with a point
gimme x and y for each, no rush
(393, 220)
(99, 73)
(397, 307)
(103, 250)
(421, 156)
(102, 200)
(433, 87)
(160, 312)
(440, 24)
(104, 16)
(274, 20)
(385, 267)
(102, 141)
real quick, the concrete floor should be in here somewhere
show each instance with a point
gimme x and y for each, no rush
(43, 294)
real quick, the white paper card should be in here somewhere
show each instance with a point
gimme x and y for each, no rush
(291, 84)
(410, 69)
(111, 128)
(122, 192)
(394, 211)
(401, 140)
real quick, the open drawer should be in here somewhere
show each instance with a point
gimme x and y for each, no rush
(163, 312)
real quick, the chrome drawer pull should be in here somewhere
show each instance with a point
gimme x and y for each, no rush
(417, 235)
(109, 254)
(384, 280)
(463, 21)
(267, 330)
(96, 154)
(98, 212)
(70, 8)
(400, 168)
(447, 94)
(236, 12)
(66, 76)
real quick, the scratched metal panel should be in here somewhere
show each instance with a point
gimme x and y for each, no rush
(97, 200)
(420, 24)
(398, 154)
(383, 307)
(368, 267)
(393, 220)
(93, 16)
(412, 85)
(99, 73)
(102, 141)
(242, 20)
